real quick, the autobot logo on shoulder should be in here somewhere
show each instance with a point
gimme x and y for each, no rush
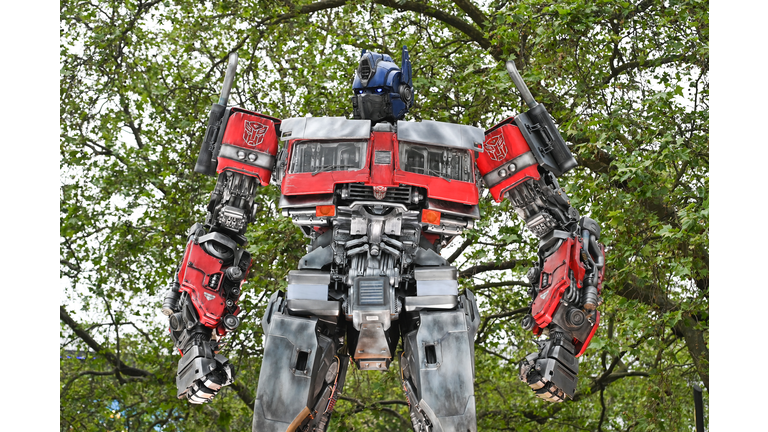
(253, 133)
(209, 296)
(495, 147)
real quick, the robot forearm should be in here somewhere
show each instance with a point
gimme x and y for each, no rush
(565, 288)
(521, 161)
(201, 302)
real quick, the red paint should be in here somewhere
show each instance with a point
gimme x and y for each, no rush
(556, 266)
(583, 347)
(252, 131)
(575, 263)
(503, 143)
(196, 271)
(322, 182)
(226, 164)
(438, 188)
(556, 271)
(430, 237)
(381, 175)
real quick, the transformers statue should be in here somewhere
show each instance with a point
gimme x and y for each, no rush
(378, 198)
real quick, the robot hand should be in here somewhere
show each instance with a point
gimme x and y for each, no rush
(202, 372)
(551, 373)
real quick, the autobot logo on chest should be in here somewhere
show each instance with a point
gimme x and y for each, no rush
(379, 192)
(495, 147)
(253, 133)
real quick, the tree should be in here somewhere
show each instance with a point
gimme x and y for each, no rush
(627, 82)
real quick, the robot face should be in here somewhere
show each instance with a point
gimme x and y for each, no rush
(380, 92)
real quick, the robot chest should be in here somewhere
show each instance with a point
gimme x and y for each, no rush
(381, 166)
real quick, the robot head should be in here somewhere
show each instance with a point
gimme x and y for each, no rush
(383, 91)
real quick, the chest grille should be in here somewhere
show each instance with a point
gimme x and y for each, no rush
(371, 292)
(400, 194)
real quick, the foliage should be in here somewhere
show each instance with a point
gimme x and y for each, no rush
(626, 80)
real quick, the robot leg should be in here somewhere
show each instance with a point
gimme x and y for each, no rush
(301, 373)
(438, 368)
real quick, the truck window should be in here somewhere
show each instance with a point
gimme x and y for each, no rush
(315, 157)
(448, 163)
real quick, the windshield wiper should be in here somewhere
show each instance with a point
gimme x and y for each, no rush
(438, 174)
(330, 168)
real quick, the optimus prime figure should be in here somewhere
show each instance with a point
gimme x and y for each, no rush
(378, 198)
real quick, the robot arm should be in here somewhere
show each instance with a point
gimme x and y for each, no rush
(201, 303)
(522, 158)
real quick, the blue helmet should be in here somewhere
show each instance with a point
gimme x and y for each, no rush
(383, 91)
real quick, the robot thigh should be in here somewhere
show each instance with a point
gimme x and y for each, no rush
(438, 369)
(300, 372)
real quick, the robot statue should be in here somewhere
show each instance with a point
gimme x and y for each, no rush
(378, 198)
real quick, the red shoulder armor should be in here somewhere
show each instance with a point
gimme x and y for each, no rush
(507, 159)
(249, 144)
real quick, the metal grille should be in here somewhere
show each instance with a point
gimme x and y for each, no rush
(365, 70)
(400, 194)
(372, 292)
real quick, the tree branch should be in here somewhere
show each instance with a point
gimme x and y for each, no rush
(696, 344)
(307, 9)
(474, 12)
(500, 284)
(136, 130)
(244, 394)
(462, 247)
(161, 422)
(482, 348)
(480, 268)
(71, 265)
(646, 64)
(595, 387)
(69, 382)
(362, 406)
(430, 11)
(82, 334)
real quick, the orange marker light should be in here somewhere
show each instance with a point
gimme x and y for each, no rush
(430, 216)
(323, 211)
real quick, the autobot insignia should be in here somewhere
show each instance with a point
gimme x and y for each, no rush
(254, 133)
(495, 148)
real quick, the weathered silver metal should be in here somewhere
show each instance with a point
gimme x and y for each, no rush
(452, 208)
(438, 368)
(297, 360)
(324, 128)
(229, 78)
(502, 172)
(441, 134)
(260, 159)
(431, 302)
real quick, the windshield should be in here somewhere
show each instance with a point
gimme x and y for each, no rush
(316, 157)
(447, 163)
